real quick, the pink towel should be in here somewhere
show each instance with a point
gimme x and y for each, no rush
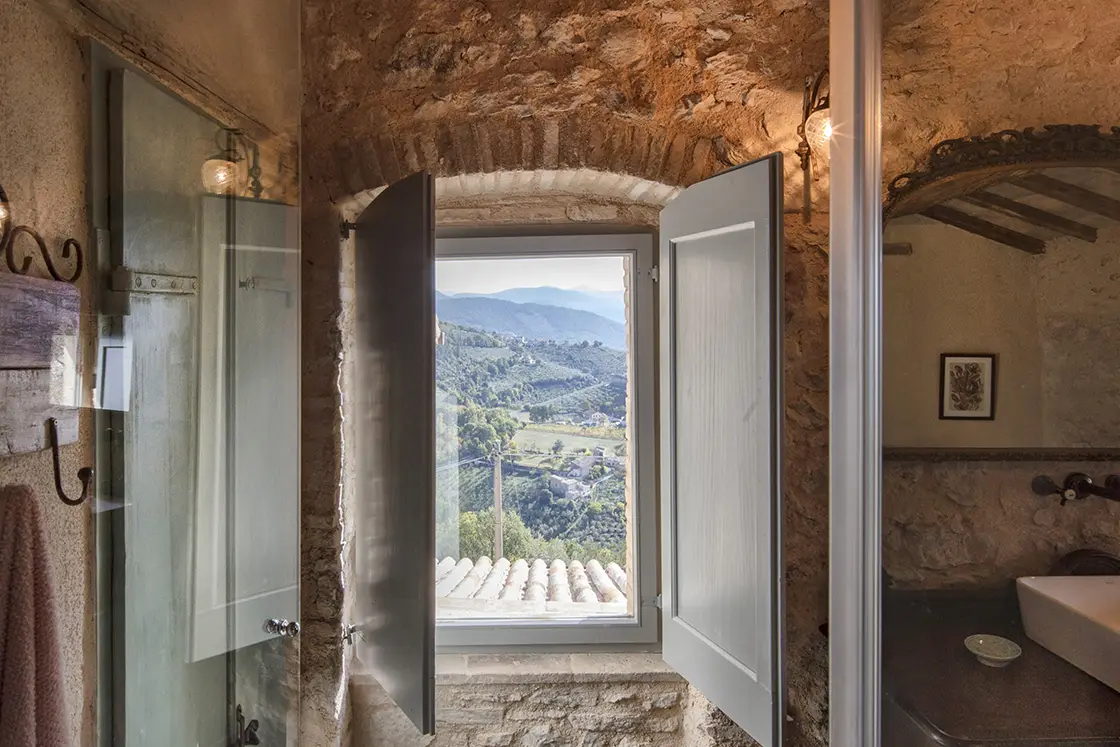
(32, 695)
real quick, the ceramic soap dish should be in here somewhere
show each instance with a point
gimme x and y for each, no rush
(993, 650)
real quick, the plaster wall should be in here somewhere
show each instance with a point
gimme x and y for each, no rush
(44, 105)
(958, 293)
(1078, 300)
(239, 61)
(1051, 318)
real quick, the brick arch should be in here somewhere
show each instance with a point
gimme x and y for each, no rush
(589, 184)
(673, 156)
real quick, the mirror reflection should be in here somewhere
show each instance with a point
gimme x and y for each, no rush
(1000, 415)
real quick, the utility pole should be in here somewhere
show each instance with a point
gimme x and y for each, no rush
(498, 552)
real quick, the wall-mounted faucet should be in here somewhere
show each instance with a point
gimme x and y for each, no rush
(1077, 486)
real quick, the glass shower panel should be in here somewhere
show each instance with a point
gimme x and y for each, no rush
(198, 385)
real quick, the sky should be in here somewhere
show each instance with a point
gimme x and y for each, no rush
(493, 275)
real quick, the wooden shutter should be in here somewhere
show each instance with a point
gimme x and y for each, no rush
(721, 406)
(394, 411)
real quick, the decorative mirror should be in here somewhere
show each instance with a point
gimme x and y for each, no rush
(1002, 297)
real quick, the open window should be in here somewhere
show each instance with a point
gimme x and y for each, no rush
(545, 481)
(501, 410)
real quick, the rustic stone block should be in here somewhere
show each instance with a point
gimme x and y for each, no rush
(566, 697)
(662, 724)
(480, 716)
(536, 713)
(493, 739)
(592, 213)
(538, 736)
(634, 741)
(607, 721)
(625, 694)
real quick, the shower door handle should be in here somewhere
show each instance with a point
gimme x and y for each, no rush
(280, 626)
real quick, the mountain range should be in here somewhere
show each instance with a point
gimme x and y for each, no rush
(535, 320)
(610, 304)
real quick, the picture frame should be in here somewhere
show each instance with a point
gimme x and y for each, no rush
(968, 386)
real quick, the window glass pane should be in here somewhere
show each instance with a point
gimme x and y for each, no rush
(533, 395)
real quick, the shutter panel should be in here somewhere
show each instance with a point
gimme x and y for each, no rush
(721, 406)
(394, 411)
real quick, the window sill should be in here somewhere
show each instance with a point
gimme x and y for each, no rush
(498, 669)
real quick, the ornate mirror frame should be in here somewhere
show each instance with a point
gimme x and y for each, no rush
(963, 166)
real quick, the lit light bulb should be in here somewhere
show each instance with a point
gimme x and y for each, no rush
(221, 176)
(818, 131)
(4, 214)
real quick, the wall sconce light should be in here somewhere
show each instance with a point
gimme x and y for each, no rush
(8, 234)
(815, 131)
(222, 172)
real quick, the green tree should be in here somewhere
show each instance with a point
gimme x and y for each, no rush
(557, 446)
(541, 413)
(476, 536)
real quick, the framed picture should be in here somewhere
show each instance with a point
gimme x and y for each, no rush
(968, 386)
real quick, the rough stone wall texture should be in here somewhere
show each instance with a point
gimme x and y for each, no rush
(952, 69)
(667, 90)
(958, 524)
(805, 479)
(584, 713)
(44, 105)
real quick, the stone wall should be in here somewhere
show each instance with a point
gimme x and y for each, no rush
(954, 524)
(953, 68)
(669, 91)
(583, 700)
(44, 105)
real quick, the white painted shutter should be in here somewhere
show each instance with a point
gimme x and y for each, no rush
(721, 405)
(394, 409)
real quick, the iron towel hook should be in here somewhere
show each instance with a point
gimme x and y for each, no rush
(85, 474)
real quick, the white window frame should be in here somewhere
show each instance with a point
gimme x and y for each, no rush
(643, 628)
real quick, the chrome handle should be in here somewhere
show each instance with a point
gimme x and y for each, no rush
(280, 626)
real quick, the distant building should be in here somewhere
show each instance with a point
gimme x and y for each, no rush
(581, 467)
(567, 487)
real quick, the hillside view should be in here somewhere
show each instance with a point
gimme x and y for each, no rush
(535, 376)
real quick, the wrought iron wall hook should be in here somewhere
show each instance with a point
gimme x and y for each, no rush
(85, 474)
(8, 234)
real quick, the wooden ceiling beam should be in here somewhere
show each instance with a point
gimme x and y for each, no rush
(980, 227)
(1031, 214)
(1071, 194)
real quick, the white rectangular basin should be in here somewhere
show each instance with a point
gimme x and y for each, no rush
(1077, 618)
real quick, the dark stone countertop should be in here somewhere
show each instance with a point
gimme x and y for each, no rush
(937, 693)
